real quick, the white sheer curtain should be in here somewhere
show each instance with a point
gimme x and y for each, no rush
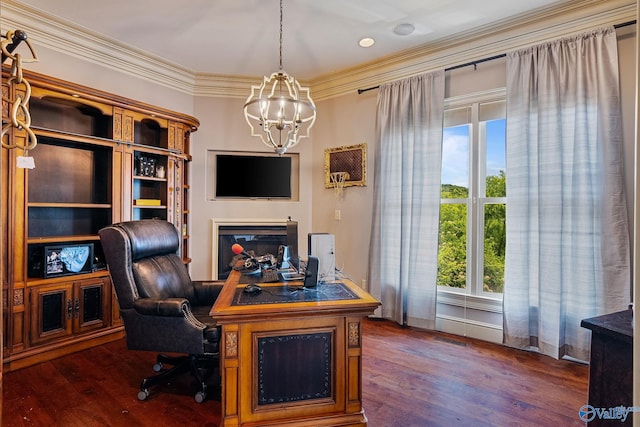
(404, 238)
(567, 236)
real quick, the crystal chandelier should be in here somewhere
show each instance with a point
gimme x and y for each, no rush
(280, 111)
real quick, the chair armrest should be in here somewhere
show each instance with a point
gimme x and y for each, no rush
(170, 307)
(207, 291)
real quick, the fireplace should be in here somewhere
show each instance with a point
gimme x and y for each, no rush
(258, 236)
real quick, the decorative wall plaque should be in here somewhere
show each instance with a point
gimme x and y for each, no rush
(18, 297)
(354, 334)
(231, 344)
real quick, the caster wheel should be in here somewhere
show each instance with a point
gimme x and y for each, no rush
(143, 394)
(200, 397)
(157, 367)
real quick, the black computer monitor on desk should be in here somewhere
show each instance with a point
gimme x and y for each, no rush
(288, 255)
(287, 259)
(292, 239)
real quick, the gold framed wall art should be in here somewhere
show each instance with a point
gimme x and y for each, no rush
(351, 159)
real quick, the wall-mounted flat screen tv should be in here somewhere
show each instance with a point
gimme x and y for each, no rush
(253, 176)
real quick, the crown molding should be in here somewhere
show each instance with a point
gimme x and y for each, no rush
(506, 35)
(79, 42)
(219, 85)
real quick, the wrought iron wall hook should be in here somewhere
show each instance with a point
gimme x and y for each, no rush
(20, 118)
(11, 41)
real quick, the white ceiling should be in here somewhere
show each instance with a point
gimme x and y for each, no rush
(241, 37)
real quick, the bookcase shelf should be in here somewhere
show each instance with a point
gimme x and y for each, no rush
(69, 205)
(62, 239)
(149, 178)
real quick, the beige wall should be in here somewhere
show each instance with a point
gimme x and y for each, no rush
(345, 120)
(627, 59)
(223, 128)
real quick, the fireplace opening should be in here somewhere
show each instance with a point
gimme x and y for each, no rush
(257, 239)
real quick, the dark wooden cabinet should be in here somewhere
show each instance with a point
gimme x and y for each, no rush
(100, 159)
(610, 367)
(61, 310)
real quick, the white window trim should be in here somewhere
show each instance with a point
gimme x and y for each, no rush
(484, 301)
(484, 96)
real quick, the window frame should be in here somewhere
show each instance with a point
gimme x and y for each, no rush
(474, 289)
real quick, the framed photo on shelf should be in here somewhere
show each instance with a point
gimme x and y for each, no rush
(65, 260)
(349, 161)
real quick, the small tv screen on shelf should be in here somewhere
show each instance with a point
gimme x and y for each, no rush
(65, 260)
(253, 176)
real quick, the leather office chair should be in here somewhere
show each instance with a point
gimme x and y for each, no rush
(162, 309)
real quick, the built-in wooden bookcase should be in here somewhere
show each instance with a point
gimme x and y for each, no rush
(150, 195)
(100, 159)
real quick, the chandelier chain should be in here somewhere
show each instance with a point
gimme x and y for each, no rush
(280, 35)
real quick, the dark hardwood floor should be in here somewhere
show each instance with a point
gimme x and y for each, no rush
(412, 378)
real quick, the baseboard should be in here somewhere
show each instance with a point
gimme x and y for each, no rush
(469, 328)
(45, 353)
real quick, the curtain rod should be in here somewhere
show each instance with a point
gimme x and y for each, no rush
(491, 58)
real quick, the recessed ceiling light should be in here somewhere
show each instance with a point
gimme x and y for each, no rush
(366, 42)
(404, 29)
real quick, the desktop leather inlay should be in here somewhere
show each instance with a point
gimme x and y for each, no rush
(294, 293)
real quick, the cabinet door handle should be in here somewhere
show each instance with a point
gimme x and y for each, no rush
(77, 307)
(69, 309)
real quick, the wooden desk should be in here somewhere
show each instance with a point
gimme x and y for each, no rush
(292, 356)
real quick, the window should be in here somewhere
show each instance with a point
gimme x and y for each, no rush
(473, 203)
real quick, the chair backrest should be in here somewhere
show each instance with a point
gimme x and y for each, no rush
(143, 261)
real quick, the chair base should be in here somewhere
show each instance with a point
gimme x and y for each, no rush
(200, 366)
